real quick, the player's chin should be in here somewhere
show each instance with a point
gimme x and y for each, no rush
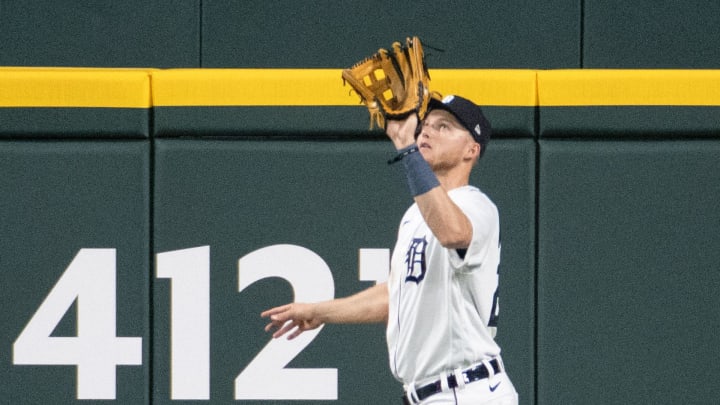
(431, 159)
(426, 152)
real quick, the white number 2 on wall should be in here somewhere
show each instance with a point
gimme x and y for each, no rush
(266, 376)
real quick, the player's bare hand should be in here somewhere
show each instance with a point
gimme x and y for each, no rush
(402, 132)
(295, 318)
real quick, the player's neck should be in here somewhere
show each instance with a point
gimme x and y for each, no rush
(452, 179)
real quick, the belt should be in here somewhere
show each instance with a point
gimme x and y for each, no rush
(472, 374)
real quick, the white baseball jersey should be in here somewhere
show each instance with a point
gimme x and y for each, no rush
(443, 303)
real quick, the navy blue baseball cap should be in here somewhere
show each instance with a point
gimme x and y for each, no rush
(469, 114)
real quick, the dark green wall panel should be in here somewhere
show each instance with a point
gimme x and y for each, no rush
(545, 34)
(630, 121)
(216, 121)
(240, 196)
(134, 33)
(627, 272)
(56, 122)
(648, 34)
(228, 121)
(333, 198)
(58, 198)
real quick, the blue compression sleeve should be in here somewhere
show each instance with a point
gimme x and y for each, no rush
(420, 176)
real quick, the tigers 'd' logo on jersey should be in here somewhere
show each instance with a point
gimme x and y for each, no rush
(415, 260)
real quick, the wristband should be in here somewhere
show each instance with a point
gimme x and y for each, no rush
(403, 152)
(420, 176)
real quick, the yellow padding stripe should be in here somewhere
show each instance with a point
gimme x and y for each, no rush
(143, 88)
(492, 87)
(74, 87)
(250, 87)
(588, 87)
(324, 87)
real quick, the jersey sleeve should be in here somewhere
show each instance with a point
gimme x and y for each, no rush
(483, 216)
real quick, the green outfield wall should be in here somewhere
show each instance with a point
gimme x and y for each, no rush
(165, 181)
(169, 169)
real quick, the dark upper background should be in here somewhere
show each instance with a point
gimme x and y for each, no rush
(544, 34)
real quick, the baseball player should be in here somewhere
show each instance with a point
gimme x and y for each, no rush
(440, 302)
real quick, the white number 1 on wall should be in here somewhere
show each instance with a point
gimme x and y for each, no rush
(189, 270)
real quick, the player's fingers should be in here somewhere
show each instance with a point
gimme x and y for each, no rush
(272, 325)
(277, 324)
(274, 311)
(295, 334)
(284, 330)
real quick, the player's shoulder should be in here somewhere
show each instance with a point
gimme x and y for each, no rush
(475, 203)
(471, 195)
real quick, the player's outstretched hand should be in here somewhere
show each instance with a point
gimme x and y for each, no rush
(296, 317)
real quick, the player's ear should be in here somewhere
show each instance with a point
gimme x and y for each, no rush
(473, 150)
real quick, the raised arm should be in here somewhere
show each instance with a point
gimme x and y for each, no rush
(367, 306)
(447, 221)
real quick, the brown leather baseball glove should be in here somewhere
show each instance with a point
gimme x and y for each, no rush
(392, 84)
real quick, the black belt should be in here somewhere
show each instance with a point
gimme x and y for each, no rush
(470, 375)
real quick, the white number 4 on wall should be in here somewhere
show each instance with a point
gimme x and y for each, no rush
(96, 350)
